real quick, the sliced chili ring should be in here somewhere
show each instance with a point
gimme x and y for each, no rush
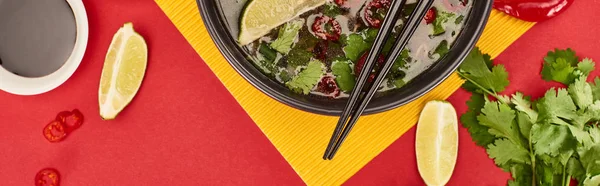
(375, 12)
(340, 2)
(431, 15)
(360, 64)
(47, 177)
(55, 131)
(75, 115)
(326, 28)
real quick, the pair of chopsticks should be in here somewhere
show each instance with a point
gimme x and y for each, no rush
(359, 99)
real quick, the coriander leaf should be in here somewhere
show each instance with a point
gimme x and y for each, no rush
(298, 57)
(575, 169)
(500, 118)
(568, 55)
(343, 75)
(590, 160)
(555, 107)
(287, 35)
(523, 104)
(267, 52)
(332, 10)
(581, 92)
(441, 50)
(359, 43)
(476, 69)
(552, 139)
(525, 123)
(546, 175)
(438, 24)
(522, 175)
(479, 133)
(504, 151)
(586, 66)
(399, 83)
(459, 19)
(596, 88)
(560, 66)
(304, 82)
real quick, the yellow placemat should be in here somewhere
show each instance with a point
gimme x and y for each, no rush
(301, 137)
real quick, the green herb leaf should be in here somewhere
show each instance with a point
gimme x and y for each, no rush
(557, 107)
(500, 118)
(476, 69)
(287, 35)
(504, 151)
(522, 175)
(551, 139)
(441, 50)
(590, 160)
(596, 89)
(523, 104)
(332, 10)
(438, 24)
(304, 82)
(479, 133)
(560, 66)
(359, 43)
(298, 57)
(586, 66)
(343, 75)
(581, 92)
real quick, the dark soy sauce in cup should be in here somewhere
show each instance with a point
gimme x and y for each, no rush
(36, 36)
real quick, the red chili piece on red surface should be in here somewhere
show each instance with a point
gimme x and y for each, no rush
(328, 86)
(47, 177)
(430, 16)
(327, 28)
(71, 120)
(340, 2)
(375, 12)
(320, 50)
(533, 10)
(55, 131)
(361, 63)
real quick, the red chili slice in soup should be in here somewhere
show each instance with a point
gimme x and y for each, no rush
(326, 28)
(47, 177)
(430, 16)
(360, 64)
(340, 2)
(533, 10)
(55, 131)
(375, 12)
(329, 87)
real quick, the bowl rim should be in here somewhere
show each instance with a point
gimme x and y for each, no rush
(20, 85)
(220, 35)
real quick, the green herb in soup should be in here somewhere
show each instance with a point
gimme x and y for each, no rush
(322, 51)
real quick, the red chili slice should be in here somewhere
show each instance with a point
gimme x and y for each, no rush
(340, 2)
(55, 131)
(361, 63)
(376, 8)
(75, 115)
(47, 177)
(430, 16)
(327, 28)
(328, 86)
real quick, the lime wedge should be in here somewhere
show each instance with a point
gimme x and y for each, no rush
(437, 142)
(261, 16)
(123, 71)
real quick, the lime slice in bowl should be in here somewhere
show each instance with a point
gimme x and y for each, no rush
(261, 16)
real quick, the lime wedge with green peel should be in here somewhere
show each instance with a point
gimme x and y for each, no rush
(123, 71)
(261, 16)
(437, 142)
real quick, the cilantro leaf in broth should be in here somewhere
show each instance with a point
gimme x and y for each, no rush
(304, 82)
(438, 24)
(287, 34)
(343, 75)
(299, 57)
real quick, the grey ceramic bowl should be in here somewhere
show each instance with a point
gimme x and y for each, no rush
(221, 20)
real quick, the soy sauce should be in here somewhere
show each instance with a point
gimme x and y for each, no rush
(36, 36)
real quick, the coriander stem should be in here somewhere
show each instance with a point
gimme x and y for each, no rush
(532, 156)
(495, 95)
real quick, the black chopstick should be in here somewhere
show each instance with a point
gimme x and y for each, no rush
(357, 95)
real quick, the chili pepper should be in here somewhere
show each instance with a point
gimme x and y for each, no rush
(328, 86)
(430, 16)
(375, 12)
(47, 177)
(361, 63)
(55, 131)
(340, 2)
(327, 28)
(77, 119)
(533, 10)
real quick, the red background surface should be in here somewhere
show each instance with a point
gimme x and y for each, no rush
(184, 127)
